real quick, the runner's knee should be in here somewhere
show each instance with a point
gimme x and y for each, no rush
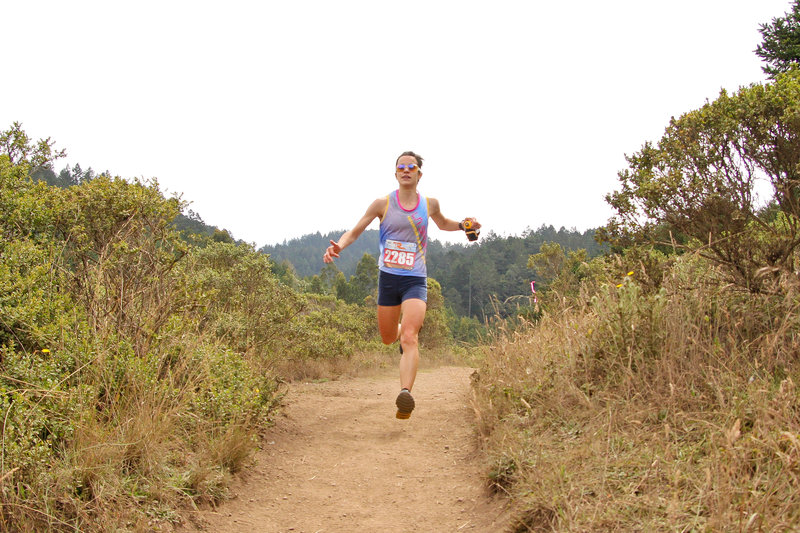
(409, 338)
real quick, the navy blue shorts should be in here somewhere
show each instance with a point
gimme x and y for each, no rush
(394, 290)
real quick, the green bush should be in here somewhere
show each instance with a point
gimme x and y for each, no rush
(132, 366)
(243, 301)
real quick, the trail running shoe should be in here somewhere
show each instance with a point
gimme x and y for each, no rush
(405, 404)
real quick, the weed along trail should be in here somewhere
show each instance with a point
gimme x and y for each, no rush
(337, 460)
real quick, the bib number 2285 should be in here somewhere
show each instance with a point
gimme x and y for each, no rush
(398, 254)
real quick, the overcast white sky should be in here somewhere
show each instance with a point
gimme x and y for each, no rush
(281, 118)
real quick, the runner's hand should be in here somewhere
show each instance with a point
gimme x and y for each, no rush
(475, 223)
(331, 252)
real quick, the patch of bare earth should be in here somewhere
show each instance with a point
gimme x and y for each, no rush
(338, 460)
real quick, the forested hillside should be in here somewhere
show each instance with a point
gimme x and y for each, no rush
(477, 279)
(305, 253)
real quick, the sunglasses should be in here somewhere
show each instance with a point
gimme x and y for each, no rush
(412, 166)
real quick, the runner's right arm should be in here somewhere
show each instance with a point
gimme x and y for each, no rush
(375, 210)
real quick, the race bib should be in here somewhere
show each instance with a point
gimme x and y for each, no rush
(398, 254)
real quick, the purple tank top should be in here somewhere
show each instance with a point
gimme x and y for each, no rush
(404, 237)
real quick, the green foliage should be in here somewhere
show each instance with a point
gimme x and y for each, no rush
(363, 284)
(328, 277)
(465, 330)
(120, 249)
(305, 253)
(700, 181)
(222, 236)
(558, 271)
(365, 280)
(331, 329)
(231, 391)
(435, 332)
(66, 178)
(478, 280)
(191, 224)
(780, 49)
(245, 304)
(32, 309)
(134, 368)
(492, 278)
(25, 154)
(285, 272)
(31, 304)
(37, 411)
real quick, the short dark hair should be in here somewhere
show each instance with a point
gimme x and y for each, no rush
(412, 154)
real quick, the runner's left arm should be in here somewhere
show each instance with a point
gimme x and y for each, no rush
(444, 223)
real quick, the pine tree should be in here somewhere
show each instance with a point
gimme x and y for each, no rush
(781, 47)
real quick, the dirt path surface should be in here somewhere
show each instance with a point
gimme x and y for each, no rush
(338, 460)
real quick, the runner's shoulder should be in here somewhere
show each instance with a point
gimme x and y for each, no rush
(378, 206)
(379, 202)
(433, 206)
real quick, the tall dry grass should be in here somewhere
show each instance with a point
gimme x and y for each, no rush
(635, 409)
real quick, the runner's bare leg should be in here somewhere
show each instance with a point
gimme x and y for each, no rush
(413, 315)
(389, 323)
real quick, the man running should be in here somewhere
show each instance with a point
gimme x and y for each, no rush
(402, 280)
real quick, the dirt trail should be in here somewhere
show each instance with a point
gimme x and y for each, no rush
(339, 461)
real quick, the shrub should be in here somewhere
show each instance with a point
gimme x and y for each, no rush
(653, 409)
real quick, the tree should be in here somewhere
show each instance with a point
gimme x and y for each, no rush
(315, 285)
(700, 181)
(365, 281)
(222, 235)
(20, 150)
(361, 285)
(23, 215)
(558, 270)
(342, 289)
(328, 276)
(286, 273)
(305, 253)
(781, 46)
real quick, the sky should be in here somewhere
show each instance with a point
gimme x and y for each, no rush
(275, 119)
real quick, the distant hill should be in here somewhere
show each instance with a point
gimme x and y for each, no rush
(471, 275)
(305, 253)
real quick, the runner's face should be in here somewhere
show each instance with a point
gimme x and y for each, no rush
(406, 176)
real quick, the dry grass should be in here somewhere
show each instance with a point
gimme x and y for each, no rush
(146, 442)
(669, 411)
